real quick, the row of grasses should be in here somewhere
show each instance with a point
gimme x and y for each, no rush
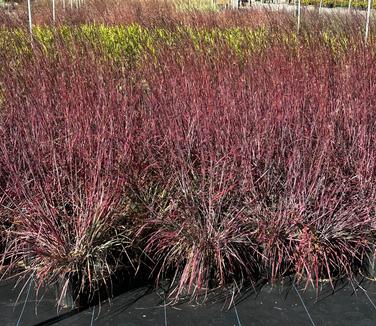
(202, 154)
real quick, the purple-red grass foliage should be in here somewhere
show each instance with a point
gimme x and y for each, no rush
(211, 168)
(67, 131)
(113, 12)
(162, 13)
(265, 165)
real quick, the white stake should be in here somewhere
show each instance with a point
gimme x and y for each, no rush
(298, 13)
(367, 22)
(71, 4)
(349, 8)
(321, 6)
(29, 14)
(63, 4)
(53, 11)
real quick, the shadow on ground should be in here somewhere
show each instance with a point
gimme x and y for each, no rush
(281, 304)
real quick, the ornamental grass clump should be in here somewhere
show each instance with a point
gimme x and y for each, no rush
(265, 165)
(66, 148)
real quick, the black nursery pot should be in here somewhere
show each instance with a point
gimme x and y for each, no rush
(370, 265)
(80, 297)
(76, 296)
(68, 300)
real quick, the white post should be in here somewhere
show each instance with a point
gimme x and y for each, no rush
(71, 4)
(64, 5)
(321, 6)
(298, 13)
(53, 11)
(29, 15)
(367, 21)
(349, 8)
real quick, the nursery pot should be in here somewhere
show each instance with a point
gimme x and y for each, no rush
(75, 296)
(66, 301)
(371, 262)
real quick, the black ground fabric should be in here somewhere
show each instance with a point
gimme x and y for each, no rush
(284, 304)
